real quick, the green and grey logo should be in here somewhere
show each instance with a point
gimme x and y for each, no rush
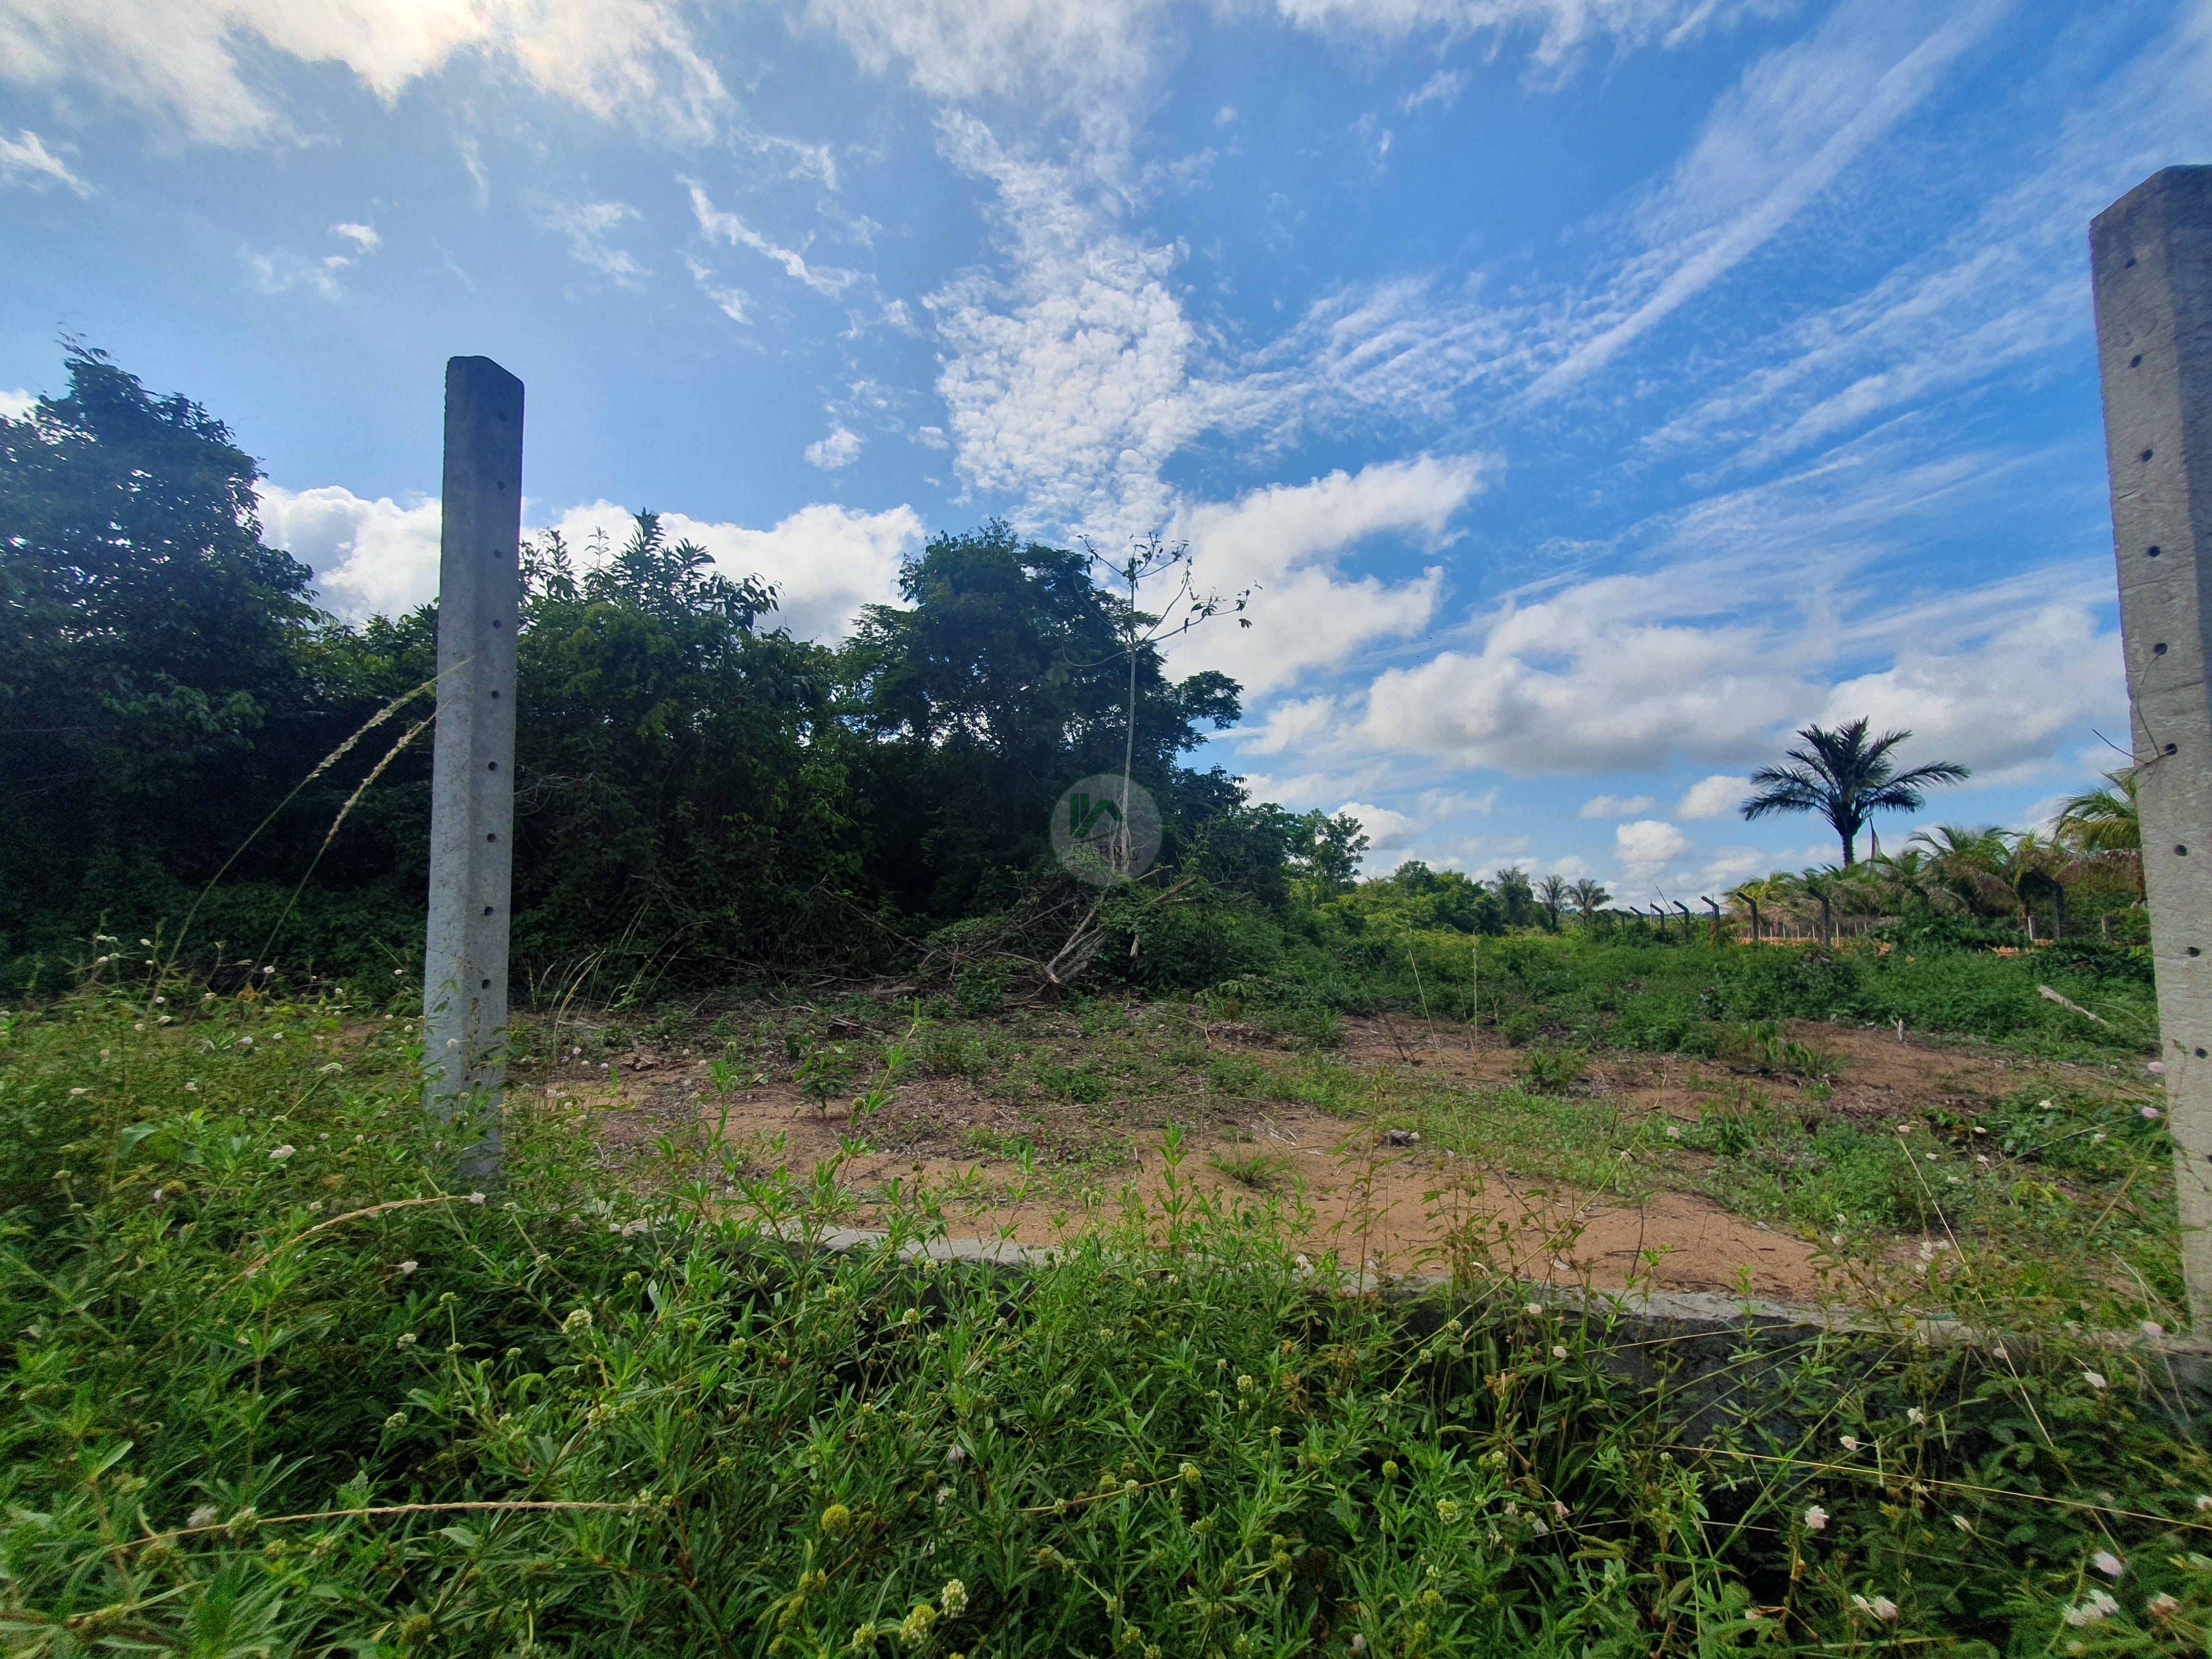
(1106, 830)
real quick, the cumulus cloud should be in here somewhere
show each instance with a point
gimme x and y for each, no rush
(15, 405)
(1285, 542)
(1386, 830)
(1615, 807)
(25, 160)
(2003, 702)
(827, 562)
(1598, 679)
(841, 448)
(1650, 845)
(368, 556)
(178, 61)
(1715, 797)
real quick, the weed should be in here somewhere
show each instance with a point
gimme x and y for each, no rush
(1551, 1070)
(1262, 1171)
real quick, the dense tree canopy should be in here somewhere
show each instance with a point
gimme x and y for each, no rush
(695, 786)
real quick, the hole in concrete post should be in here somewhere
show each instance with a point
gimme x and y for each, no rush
(2194, 951)
(2152, 552)
(493, 836)
(2159, 650)
(487, 986)
(2172, 747)
(2135, 361)
(2145, 456)
(487, 909)
(491, 766)
(2180, 852)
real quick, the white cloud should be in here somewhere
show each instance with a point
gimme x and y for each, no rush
(1089, 59)
(2001, 702)
(17, 405)
(1386, 830)
(1442, 89)
(1650, 845)
(1609, 675)
(178, 61)
(586, 225)
(368, 555)
(1069, 383)
(363, 237)
(25, 160)
(717, 225)
(2003, 288)
(1615, 807)
(1561, 26)
(841, 448)
(1715, 797)
(1285, 541)
(827, 562)
(1771, 147)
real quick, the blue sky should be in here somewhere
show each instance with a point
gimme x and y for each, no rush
(1593, 390)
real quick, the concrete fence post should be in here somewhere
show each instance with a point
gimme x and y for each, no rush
(472, 772)
(2150, 256)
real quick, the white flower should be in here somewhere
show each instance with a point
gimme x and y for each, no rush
(2161, 1605)
(316, 1208)
(2152, 1327)
(943, 1493)
(476, 1198)
(1880, 1607)
(277, 1155)
(192, 1086)
(2204, 1501)
(1533, 1309)
(2150, 1112)
(205, 1516)
(2108, 1564)
(2098, 1605)
(1673, 1132)
(74, 1093)
(1915, 1416)
(1816, 1519)
(2094, 1379)
(409, 1266)
(1849, 1443)
(953, 1598)
(1962, 1524)
(1559, 1350)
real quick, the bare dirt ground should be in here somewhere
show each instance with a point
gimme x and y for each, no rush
(1342, 1184)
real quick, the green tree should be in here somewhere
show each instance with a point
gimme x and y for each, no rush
(1846, 776)
(1003, 678)
(154, 675)
(1553, 893)
(1589, 898)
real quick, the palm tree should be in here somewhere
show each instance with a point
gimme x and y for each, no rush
(1969, 864)
(1587, 895)
(2103, 820)
(1772, 891)
(1551, 892)
(1846, 777)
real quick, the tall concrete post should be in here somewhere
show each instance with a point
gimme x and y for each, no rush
(472, 774)
(2150, 256)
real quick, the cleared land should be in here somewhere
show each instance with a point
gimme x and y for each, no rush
(1815, 1162)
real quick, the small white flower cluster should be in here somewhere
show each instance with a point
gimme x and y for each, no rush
(2098, 1606)
(1879, 1606)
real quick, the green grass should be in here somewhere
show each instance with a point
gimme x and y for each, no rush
(279, 1386)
